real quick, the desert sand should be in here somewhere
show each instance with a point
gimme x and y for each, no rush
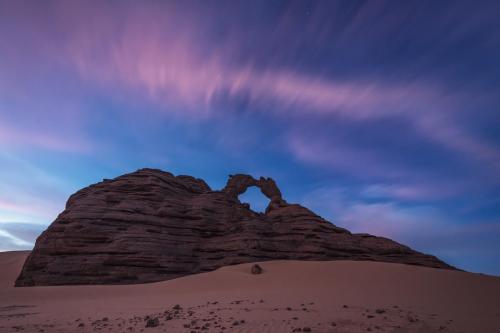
(289, 296)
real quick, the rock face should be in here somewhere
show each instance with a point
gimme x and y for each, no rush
(150, 225)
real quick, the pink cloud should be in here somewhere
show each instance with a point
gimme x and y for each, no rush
(173, 58)
(170, 70)
(151, 59)
(445, 131)
(409, 191)
(423, 227)
(28, 209)
(388, 219)
(28, 192)
(320, 151)
(391, 219)
(46, 139)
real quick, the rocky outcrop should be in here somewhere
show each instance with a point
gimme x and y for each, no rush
(150, 225)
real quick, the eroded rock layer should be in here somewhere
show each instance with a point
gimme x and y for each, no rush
(150, 225)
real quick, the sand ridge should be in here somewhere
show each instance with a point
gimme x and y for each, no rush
(290, 296)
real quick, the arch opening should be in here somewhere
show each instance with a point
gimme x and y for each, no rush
(255, 198)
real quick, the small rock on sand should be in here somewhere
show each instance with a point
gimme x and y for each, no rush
(152, 322)
(256, 269)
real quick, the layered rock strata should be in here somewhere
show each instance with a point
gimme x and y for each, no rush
(150, 225)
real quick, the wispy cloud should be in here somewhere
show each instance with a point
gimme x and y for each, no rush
(422, 226)
(348, 208)
(26, 208)
(409, 192)
(149, 59)
(11, 136)
(178, 61)
(28, 192)
(18, 236)
(11, 240)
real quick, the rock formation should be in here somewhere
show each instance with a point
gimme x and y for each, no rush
(150, 225)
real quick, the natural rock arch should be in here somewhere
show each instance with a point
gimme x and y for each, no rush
(239, 183)
(254, 200)
(150, 226)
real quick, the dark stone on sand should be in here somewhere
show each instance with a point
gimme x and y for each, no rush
(152, 322)
(256, 269)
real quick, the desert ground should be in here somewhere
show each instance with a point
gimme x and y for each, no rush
(289, 296)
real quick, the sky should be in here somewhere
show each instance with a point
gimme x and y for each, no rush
(382, 117)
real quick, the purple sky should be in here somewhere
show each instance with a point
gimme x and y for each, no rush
(383, 117)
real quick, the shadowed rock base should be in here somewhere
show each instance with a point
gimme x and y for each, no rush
(150, 225)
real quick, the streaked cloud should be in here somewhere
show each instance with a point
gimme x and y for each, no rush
(11, 137)
(422, 226)
(407, 191)
(149, 59)
(18, 236)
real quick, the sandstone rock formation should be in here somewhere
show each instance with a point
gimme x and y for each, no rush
(150, 225)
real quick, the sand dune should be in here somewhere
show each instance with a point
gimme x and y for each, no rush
(339, 296)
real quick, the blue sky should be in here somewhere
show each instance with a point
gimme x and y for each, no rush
(382, 117)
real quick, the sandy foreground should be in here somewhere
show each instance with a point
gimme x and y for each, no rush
(290, 296)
